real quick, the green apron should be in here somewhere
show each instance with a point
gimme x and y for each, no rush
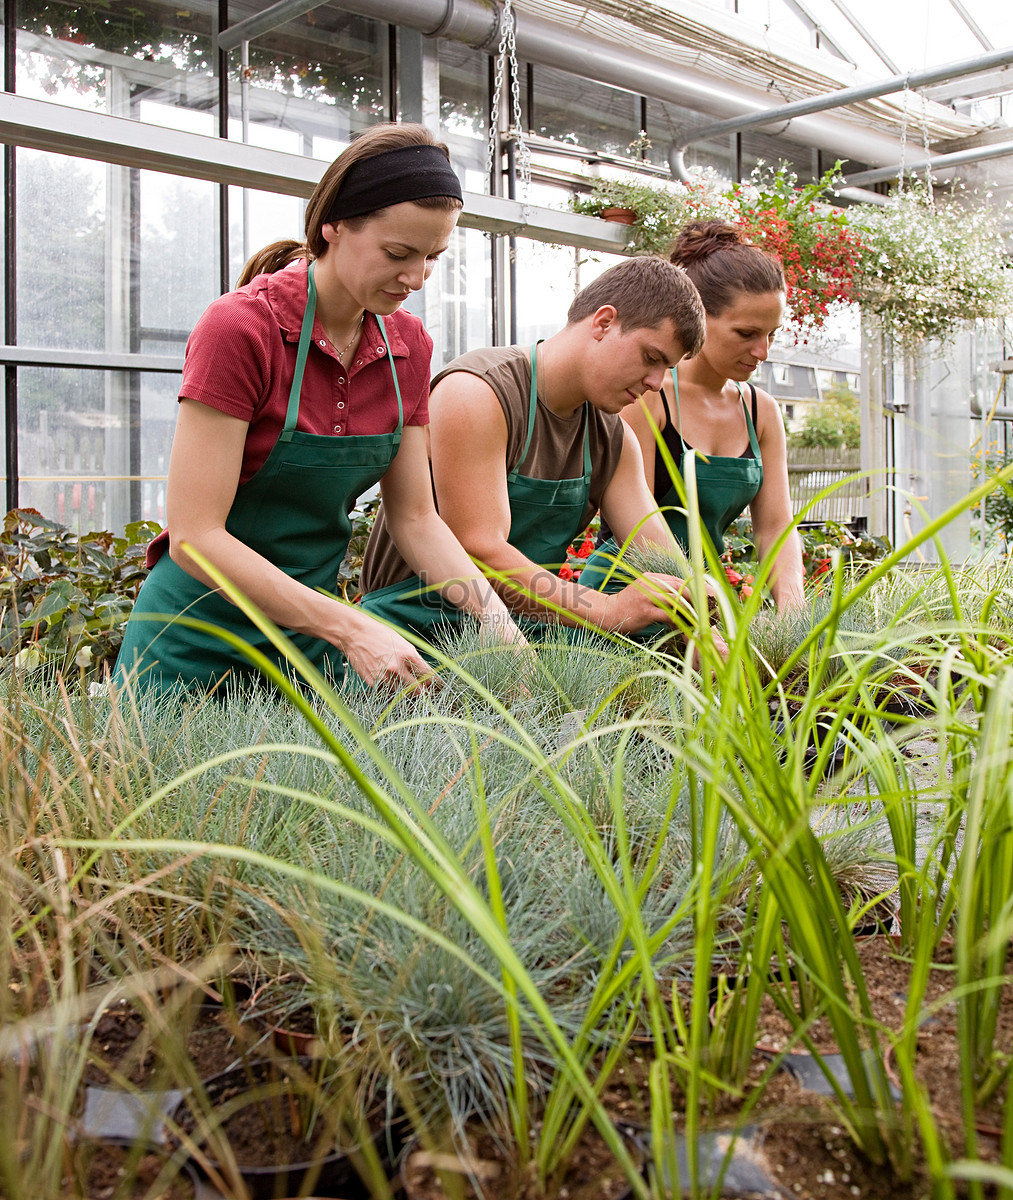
(295, 512)
(725, 486)
(545, 516)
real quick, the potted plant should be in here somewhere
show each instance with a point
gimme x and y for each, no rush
(646, 208)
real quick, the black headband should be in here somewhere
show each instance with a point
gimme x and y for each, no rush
(410, 173)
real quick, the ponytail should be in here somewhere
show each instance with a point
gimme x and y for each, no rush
(272, 258)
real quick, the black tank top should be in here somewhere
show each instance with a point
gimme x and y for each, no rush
(677, 448)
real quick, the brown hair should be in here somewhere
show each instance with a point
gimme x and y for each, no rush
(721, 260)
(378, 139)
(645, 291)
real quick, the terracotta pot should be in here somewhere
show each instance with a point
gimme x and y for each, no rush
(619, 216)
(252, 1130)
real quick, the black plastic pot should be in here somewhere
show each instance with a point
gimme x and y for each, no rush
(276, 1098)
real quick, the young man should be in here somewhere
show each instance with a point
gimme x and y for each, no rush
(526, 446)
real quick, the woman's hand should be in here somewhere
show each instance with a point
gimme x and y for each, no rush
(378, 654)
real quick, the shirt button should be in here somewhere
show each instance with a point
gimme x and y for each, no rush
(337, 428)
(322, 342)
(381, 349)
(341, 404)
(358, 362)
(341, 379)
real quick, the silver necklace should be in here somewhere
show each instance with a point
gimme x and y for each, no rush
(358, 330)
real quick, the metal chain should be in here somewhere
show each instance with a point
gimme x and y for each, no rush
(903, 141)
(925, 147)
(508, 54)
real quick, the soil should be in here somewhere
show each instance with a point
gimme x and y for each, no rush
(123, 1044)
(886, 978)
(106, 1177)
(277, 1119)
(798, 1140)
(487, 1173)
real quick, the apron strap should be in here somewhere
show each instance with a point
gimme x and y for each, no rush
(393, 371)
(305, 337)
(754, 445)
(532, 400)
(533, 407)
(678, 410)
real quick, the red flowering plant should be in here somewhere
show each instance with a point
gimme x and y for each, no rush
(578, 553)
(818, 249)
(818, 545)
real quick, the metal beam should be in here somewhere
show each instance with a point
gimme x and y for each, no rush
(956, 159)
(263, 22)
(865, 35)
(971, 23)
(61, 130)
(91, 360)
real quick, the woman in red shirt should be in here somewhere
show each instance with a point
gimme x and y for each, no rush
(301, 390)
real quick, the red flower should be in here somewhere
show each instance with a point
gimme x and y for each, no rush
(566, 573)
(586, 547)
(733, 577)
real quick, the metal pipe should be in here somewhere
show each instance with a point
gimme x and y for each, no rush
(579, 52)
(852, 95)
(956, 159)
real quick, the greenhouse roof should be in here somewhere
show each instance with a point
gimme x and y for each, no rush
(792, 49)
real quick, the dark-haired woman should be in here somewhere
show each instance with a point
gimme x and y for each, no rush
(710, 407)
(302, 389)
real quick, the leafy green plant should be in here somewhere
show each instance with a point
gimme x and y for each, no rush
(855, 549)
(485, 890)
(832, 423)
(65, 598)
(655, 222)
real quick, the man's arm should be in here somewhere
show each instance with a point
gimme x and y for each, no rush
(468, 435)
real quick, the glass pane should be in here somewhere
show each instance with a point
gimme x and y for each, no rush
(178, 260)
(582, 113)
(94, 445)
(771, 151)
(61, 293)
(107, 57)
(464, 86)
(323, 74)
(456, 301)
(668, 123)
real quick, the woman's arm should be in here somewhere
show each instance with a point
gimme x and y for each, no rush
(771, 507)
(426, 543)
(207, 454)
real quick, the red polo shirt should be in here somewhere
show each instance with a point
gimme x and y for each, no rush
(240, 359)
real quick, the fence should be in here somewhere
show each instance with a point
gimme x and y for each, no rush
(811, 469)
